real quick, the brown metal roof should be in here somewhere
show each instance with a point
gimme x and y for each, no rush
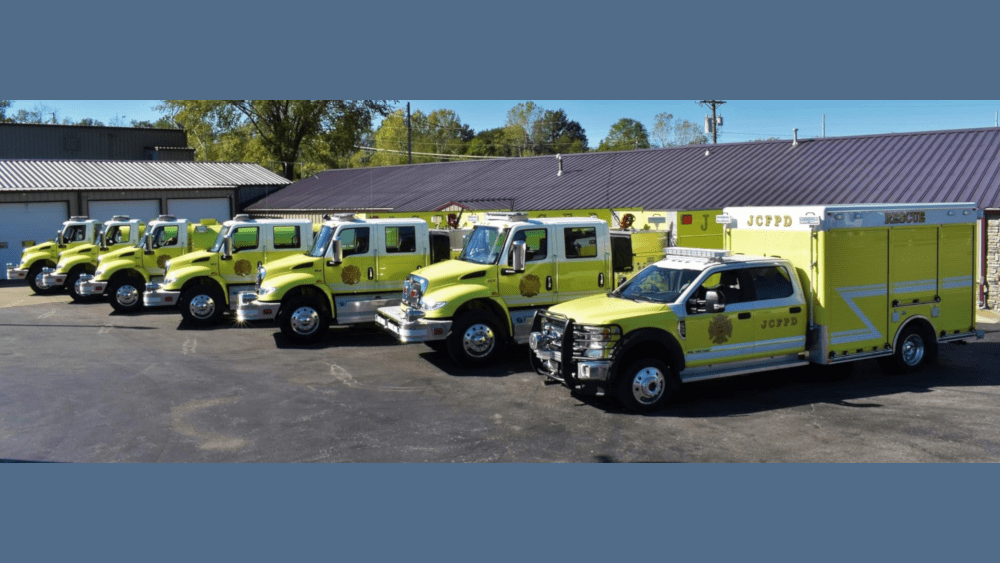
(932, 166)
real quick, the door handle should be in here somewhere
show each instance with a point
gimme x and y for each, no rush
(548, 283)
(371, 273)
(600, 279)
(795, 310)
(743, 316)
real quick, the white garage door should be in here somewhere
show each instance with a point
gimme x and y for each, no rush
(145, 209)
(204, 208)
(26, 222)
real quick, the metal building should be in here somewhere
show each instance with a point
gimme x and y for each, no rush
(922, 167)
(36, 196)
(29, 140)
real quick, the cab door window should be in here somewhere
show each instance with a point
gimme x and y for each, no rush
(118, 234)
(246, 238)
(730, 285)
(770, 282)
(354, 241)
(581, 242)
(536, 245)
(166, 237)
(400, 240)
(286, 237)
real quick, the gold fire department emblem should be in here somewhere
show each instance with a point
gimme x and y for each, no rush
(351, 275)
(720, 329)
(242, 268)
(161, 262)
(530, 285)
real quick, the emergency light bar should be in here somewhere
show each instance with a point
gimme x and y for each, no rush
(696, 253)
(507, 216)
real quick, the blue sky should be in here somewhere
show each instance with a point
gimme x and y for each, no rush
(745, 120)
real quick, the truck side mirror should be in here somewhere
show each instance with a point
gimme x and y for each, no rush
(338, 253)
(227, 248)
(100, 241)
(148, 245)
(712, 304)
(59, 238)
(520, 252)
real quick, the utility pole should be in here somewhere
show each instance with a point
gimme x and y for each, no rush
(409, 142)
(824, 125)
(715, 121)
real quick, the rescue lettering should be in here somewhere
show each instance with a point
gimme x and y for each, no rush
(770, 220)
(896, 217)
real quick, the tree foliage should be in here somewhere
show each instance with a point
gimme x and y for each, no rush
(669, 133)
(440, 132)
(284, 132)
(554, 133)
(4, 104)
(625, 135)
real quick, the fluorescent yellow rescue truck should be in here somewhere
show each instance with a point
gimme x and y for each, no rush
(77, 231)
(510, 268)
(820, 284)
(122, 274)
(206, 282)
(80, 261)
(354, 267)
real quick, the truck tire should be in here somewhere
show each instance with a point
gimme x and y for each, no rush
(125, 293)
(646, 385)
(475, 340)
(35, 281)
(915, 348)
(304, 320)
(202, 305)
(72, 289)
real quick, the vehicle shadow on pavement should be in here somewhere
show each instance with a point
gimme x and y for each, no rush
(35, 325)
(513, 360)
(363, 335)
(781, 389)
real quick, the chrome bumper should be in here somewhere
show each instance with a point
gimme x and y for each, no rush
(394, 320)
(249, 309)
(51, 279)
(156, 297)
(86, 286)
(16, 273)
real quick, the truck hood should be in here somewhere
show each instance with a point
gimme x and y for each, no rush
(289, 264)
(90, 249)
(44, 247)
(125, 252)
(605, 310)
(450, 272)
(189, 258)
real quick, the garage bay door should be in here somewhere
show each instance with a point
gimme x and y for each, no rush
(28, 223)
(145, 209)
(195, 209)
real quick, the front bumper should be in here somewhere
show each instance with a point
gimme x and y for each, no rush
(86, 286)
(156, 297)
(51, 279)
(249, 309)
(16, 273)
(394, 320)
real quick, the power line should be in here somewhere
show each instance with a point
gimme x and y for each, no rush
(427, 153)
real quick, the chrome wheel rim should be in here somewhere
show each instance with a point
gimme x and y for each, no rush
(78, 287)
(127, 295)
(202, 306)
(478, 340)
(305, 321)
(648, 385)
(38, 281)
(913, 350)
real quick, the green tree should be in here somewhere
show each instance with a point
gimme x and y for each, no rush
(491, 142)
(555, 133)
(626, 134)
(689, 133)
(520, 127)
(4, 104)
(288, 131)
(663, 129)
(668, 133)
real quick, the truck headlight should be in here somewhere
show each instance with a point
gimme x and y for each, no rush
(99, 258)
(267, 290)
(597, 340)
(169, 281)
(98, 274)
(429, 305)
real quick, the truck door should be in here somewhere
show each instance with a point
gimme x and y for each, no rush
(168, 241)
(778, 313)
(537, 284)
(400, 252)
(357, 273)
(583, 267)
(721, 337)
(247, 251)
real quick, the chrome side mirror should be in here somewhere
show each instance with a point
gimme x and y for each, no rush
(100, 241)
(712, 302)
(520, 251)
(338, 253)
(227, 248)
(148, 245)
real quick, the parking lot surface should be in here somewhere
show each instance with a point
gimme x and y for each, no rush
(80, 383)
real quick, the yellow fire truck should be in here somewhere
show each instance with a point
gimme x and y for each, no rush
(206, 282)
(123, 273)
(354, 267)
(794, 285)
(80, 261)
(77, 231)
(511, 267)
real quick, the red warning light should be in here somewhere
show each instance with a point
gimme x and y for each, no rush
(687, 219)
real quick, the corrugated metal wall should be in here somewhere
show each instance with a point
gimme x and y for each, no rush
(19, 140)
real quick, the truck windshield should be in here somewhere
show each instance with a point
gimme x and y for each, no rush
(660, 285)
(322, 241)
(484, 246)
